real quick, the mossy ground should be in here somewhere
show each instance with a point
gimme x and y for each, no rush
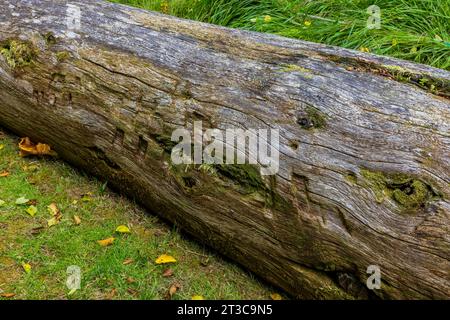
(50, 251)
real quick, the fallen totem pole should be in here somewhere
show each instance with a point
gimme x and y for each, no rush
(364, 141)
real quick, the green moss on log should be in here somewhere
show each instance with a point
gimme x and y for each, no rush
(49, 38)
(407, 191)
(311, 118)
(164, 141)
(246, 175)
(62, 55)
(18, 53)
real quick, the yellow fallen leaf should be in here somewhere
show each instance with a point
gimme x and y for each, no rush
(163, 259)
(53, 221)
(28, 148)
(267, 19)
(197, 298)
(364, 49)
(31, 210)
(71, 292)
(53, 209)
(438, 38)
(30, 168)
(76, 220)
(87, 197)
(26, 267)
(307, 23)
(2, 146)
(123, 229)
(276, 296)
(106, 242)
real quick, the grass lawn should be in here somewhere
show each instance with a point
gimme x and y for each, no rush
(51, 250)
(417, 30)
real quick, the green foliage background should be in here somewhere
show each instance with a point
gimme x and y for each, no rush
(416, 30)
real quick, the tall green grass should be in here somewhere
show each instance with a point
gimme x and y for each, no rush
(416, 30)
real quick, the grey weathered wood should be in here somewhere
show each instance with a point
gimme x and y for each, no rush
(106, 97)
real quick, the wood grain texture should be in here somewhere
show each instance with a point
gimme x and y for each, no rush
(370, 185)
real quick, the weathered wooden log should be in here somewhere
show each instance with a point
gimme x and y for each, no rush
(364, 140)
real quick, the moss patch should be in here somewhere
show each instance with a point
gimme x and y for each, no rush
(49, 38)
(311, 118)
(18, 53)
(435, 85)
(164, 141)
(351, 177)
(406, 191)
(426, 82)
(246, 175)
(62, 55)
(294, 67)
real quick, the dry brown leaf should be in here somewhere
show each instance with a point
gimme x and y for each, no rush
(131, 280)
(53, 209)
(112, 294)
(32, 202)
(127, 261)
(172, 290)
(28, 148)
(7, 295)
(106, 242)
(4, 174)
(76, 220)
(167, 273)
(36, 230)
(30, 168)
(56, 213)
(132, 292)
